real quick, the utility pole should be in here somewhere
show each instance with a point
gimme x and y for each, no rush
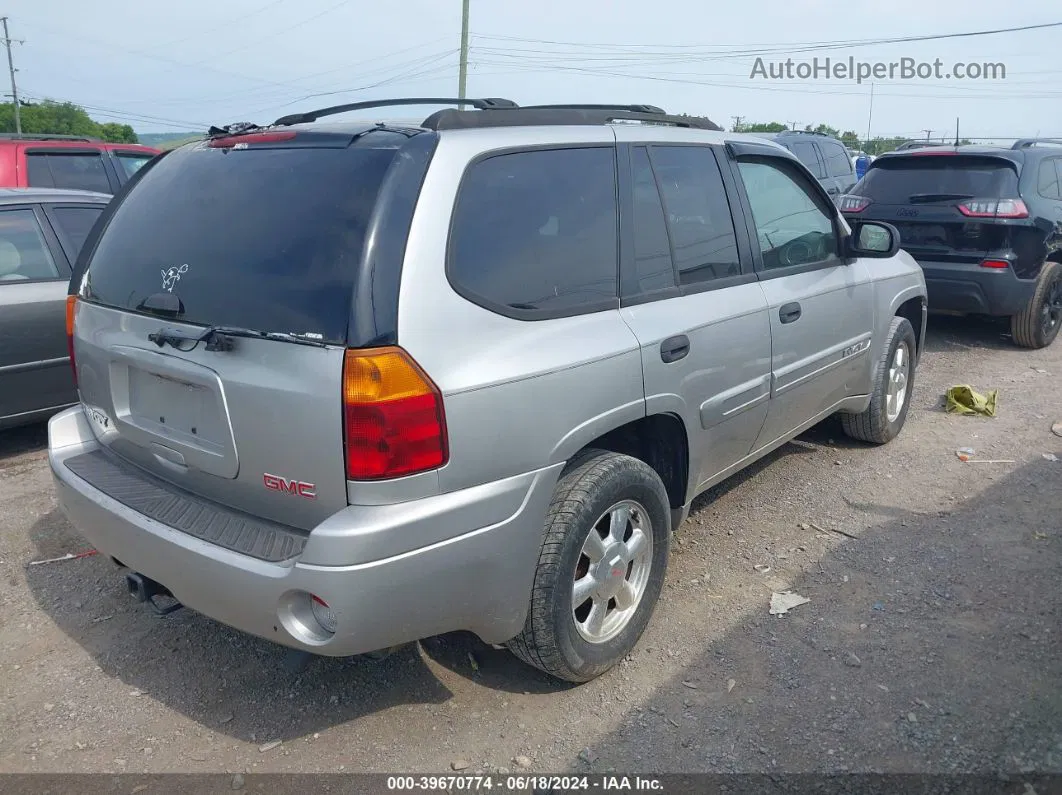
(928, 133)
(11, 69)
(737, 122)
(463, 75)
(792, 125)
(870, 114)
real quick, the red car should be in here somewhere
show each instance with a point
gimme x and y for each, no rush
(64, 161)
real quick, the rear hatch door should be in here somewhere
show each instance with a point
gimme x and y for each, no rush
(920, 194)
(260, 240)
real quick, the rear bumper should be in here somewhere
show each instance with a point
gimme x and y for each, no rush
(478, 579)
(972, 289)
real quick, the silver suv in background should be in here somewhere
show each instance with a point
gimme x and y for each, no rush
(345, 386)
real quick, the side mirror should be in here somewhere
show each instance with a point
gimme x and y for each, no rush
(873, 239)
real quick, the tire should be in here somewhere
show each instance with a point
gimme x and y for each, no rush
(558, 636)
(1037, 325)
(875, 424)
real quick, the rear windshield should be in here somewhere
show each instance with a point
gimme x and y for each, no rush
(895, 180)
(267, 239)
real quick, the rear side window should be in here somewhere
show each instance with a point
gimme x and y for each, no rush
(652, 250)
(261, 238)
(78, 171)
(698, 213)
(1047, 181)
(131, 162)
(838, 163)
(896, 180)
(537, 231)
(805, 152)
(24, 255)
(73, 225)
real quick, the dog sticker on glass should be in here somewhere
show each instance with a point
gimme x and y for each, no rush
(171, 276)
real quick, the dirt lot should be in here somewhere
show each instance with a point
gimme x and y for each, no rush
(931, 641)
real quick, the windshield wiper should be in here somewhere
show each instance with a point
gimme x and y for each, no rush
(923, 198)
(220, 338)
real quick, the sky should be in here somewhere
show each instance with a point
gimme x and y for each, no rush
(173, 67)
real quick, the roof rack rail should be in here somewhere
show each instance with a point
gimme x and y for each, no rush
(47, 137)
(314, 115)
(1025, 143)
(577, 106)
(534, 116)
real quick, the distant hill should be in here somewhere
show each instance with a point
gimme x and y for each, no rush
(166, 140)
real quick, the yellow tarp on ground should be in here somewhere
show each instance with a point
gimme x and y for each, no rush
(963, 400)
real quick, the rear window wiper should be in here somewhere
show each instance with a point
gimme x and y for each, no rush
(219, 338)
(923, 198)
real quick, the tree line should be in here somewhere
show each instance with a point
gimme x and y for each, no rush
(62, 118)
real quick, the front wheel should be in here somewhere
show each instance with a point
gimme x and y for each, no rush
(1037, 325)
(601, 567)
(887, 412)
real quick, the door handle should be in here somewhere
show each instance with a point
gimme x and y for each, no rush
(674, 348)
(789, 312)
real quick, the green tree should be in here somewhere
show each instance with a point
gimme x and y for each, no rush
(761, 127)
(62, 118)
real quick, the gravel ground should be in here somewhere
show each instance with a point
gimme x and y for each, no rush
(930, 642)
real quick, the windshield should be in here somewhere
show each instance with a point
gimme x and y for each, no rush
(264, 239)
(896, 180)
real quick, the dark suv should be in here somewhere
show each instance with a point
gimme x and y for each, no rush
(985, 224)
(826, 158)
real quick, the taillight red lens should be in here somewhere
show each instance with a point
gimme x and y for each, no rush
(999, 264)
(71, 307)
(994, 208)
(853, 204)
(392, 414)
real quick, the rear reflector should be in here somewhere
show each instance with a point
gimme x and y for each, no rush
(994, 208)
(995, 263)
(227, 142)
(853, 204)
(392, 414)
(71, 307)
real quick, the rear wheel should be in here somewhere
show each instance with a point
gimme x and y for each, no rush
(1037, 325)
(887, 412)
(601, 567)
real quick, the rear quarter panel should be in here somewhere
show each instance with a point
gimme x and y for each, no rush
(9, 170)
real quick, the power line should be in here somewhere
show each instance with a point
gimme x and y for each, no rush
(242, 18)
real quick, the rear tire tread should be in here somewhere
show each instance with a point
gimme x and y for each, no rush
(1026, 326)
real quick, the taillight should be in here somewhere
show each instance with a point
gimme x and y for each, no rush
(999, 264)
(230, 141)
(71, 307)
(994, 208)
(853, 204)
(392, 415)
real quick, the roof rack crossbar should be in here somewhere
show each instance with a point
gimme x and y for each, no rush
(1025, 143)
(550, 116)
(314, 115)
(47, 137)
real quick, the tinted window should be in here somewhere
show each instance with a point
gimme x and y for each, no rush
(267, 239)
(537, 230)
(698, 214)
(78, 171)
(1047, 181)
(838, 163)
(23, 252)
(791, 227)
(73, 225)
(131, 163)
(895, 180)
(652, 250)
(805, 152)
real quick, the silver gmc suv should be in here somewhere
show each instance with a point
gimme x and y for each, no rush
(346, 386)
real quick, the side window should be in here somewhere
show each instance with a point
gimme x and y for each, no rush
(838, 164)
(698, 213)
(805, 152)
(791, 226)
(652, 249)
(23, 253)
(80, 171)
(73, 225)
(538, 230)
(130, 163)
(1048, 177)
